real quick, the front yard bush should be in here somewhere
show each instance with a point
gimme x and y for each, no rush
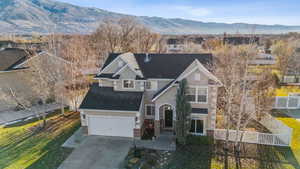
(199, 140)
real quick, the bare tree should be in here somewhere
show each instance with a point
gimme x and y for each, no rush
(244, 94)
(283, 50)
(126, 35)
(78, 51)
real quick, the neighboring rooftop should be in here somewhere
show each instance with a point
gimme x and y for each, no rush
(165, 66)
(240, 40)
(174, 41)
(11, 57)
(105, 98)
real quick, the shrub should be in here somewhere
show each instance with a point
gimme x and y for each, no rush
(199, 140)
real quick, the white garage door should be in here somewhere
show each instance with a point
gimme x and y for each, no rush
(111, 126)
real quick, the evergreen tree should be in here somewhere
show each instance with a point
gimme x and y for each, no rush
(183, 111)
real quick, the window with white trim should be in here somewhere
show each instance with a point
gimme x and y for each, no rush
(197, 127)
(128, 84)
(150, 109)
(191, 94)
(151, 85)
(202, 95)
(197, 94)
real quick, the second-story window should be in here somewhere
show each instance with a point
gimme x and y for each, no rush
(128, 84)
(197, 94)
(191, 94)
(148, 85)
(202, 95)
(151, 85)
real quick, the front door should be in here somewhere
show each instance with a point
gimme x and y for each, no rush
(168, 118)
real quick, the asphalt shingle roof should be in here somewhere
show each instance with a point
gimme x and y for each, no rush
(11, 57)
(105, 98)
(165, 66)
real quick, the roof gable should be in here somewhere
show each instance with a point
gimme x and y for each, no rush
(12, 57)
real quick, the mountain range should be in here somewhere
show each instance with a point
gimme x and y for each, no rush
(45, 16)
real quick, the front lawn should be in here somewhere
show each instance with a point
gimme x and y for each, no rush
(23, 146)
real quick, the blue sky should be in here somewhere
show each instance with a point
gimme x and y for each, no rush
(286, 12)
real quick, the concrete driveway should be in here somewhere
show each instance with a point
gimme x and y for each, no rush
(97, 152)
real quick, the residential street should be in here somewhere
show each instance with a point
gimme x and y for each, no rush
(9, 116)
(97, 152)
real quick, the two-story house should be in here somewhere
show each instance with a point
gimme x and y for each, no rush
(134, 88)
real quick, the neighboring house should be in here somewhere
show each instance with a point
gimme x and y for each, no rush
(7, 44)
(15, 74)
(175, 45)
(136, 91)
(264, 59)
(240, 40)
(288, 94)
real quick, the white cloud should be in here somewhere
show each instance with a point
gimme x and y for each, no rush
(193, 11)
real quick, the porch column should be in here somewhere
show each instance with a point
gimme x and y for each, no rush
(157, 121)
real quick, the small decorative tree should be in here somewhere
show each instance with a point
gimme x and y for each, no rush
(183, 111)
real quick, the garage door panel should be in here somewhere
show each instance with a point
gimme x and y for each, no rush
(111, 126)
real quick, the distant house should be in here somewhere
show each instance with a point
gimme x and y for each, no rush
(7, 44)
(175, 45)
(11, 58)
(264, 59)
(197, 40)
(138, 91)
(240, 40)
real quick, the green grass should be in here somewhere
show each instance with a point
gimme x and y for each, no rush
(204, 153)
(23, 146)
(295, 144)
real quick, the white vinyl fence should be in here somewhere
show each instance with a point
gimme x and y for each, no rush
(281, 134)
(254, 137)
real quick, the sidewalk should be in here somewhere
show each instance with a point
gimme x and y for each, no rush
(9, 116)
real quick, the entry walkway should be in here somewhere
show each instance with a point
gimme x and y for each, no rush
(165, 142)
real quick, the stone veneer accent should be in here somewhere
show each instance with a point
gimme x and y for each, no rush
(137, 133)
(156, 128)
(213, 107)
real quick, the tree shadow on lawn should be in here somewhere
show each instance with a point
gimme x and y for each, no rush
(261, 156)
(13, 150)
(27, 144)
(53, 153)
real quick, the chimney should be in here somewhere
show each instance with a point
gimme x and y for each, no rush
(147, 58)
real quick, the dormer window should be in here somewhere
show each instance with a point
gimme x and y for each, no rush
(128, 84)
